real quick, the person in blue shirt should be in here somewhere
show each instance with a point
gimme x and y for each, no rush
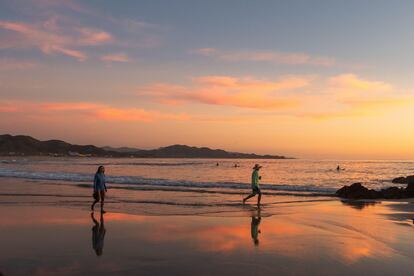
(255, 185)
(99, 188)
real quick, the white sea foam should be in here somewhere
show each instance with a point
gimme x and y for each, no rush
(134, 180)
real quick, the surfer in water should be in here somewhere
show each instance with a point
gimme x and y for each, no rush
(255, 185)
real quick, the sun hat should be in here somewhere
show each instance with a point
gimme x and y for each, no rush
(256, 167)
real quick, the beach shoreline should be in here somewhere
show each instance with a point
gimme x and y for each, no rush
(49, 235)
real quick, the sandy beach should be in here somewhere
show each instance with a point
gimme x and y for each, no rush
(46, 234)
(206, 138)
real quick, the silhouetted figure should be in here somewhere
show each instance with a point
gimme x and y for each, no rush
(255, 185)
(236, 165)
(254, 228)
(338, 168)
(98, 234)
(99, 188)
(217, 164)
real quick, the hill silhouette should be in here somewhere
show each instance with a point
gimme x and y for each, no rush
(29, 146)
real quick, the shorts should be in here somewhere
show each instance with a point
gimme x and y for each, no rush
(256, 190)
(100, 188)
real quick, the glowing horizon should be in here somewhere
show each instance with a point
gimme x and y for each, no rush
(288, 79)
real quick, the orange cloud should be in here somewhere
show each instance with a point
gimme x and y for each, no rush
(67, 106)
(229, 91)
(266, 56)
(89, 110)
(360, 108)
(133, 114)
(354, 83)
(348, 95)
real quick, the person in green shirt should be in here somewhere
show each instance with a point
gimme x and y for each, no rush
(255, 185)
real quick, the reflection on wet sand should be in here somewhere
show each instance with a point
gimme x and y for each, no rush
(98, 234)
(324, 238)
(254, 227)
(359, 204)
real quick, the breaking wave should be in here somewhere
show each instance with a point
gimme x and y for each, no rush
(135, 181)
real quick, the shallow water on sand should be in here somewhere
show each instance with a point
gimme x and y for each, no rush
(46, 227)
(310, 238)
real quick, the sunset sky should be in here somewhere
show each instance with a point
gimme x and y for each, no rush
(310, 79)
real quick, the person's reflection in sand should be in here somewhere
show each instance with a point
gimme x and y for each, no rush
(98, 234)
(254, 229)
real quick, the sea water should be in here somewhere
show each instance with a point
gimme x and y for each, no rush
(227, 175)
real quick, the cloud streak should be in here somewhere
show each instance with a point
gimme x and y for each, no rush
(7, 64)
(266, 56)
(116, 57)
(88, 110)
(52, 39)
(352, 82)
(55, 29)
(229, 91)
(339, 96)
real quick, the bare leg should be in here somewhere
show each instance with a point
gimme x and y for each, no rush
(258, 199)
(246, 198)
(102, 201)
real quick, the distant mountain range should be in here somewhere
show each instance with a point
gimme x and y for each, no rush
(26, 145)
(121, 149)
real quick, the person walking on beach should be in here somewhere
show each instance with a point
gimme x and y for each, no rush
(255, 185)
(99, 188)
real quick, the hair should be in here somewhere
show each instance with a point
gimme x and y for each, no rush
(99, 169)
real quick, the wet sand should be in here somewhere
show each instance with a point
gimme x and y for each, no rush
(301, 238)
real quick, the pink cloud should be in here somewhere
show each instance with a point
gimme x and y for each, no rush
(266, 56)
(116, 57)
(91, 36)
(51, 38)
(7, 64)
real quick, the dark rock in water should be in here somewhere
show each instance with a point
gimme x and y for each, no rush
(358, 191)
(400, 180)
(393, 192)
(410, 178)
(410, 186)
(403, 180)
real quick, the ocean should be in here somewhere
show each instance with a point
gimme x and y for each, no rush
(290, 175)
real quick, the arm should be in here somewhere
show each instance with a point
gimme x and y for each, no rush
(95, 182)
